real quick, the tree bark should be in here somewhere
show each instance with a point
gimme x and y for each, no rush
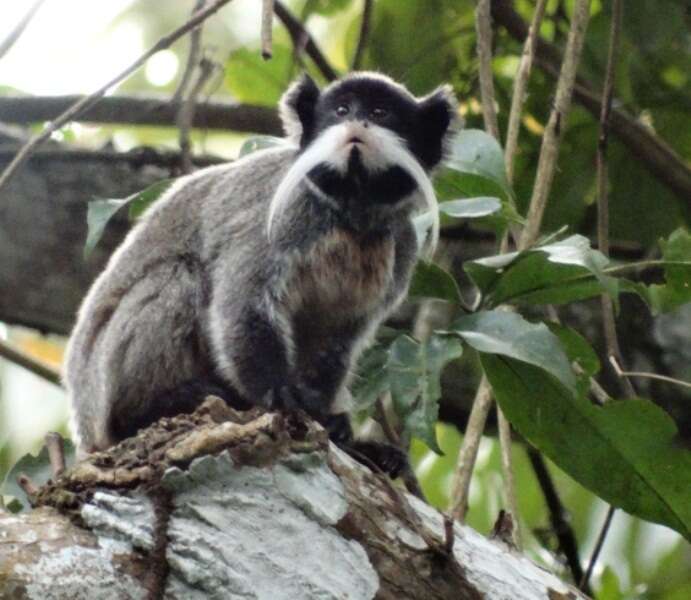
(222, 504)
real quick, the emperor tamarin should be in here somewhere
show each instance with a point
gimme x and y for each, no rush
(263, 278)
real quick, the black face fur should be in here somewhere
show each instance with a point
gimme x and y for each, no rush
(370, 99)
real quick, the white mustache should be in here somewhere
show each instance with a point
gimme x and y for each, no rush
(386, 149)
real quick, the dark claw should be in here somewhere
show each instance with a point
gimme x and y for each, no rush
(388, 458)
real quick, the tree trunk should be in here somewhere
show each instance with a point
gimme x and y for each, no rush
(222, 504)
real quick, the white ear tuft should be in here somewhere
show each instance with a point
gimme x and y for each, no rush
(296, 108)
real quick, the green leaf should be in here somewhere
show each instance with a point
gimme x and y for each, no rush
(471, 208)
(414, 372)
(623, 451)
(676, 290)
(555, 273)
(509, 334)
(576, 347)
(259, 142)
(100, 212)
(431, 281)
(474, 151)
(411, 372)
(254, 80)
(36, 467)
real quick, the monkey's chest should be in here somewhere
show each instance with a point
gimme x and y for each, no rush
(341, 277)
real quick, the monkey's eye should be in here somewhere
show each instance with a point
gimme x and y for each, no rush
(342, 110)
(379, 113)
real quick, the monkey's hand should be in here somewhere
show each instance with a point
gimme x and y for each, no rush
(385, 457)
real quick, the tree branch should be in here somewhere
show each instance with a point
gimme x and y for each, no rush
(301, 38)
(483, 27)
(137, 110)
(558, 516)
(363, 36)
(16, 33)
(29, 363)
(655, 154)
(93, 98)
(520, 85)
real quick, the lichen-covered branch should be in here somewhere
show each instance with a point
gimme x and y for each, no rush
(257, 506)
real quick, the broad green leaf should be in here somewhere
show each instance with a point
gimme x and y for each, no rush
(36, 467)
(431, 281)
(260, 142)
(557, 273)
(100, 212)
(476, 152)
(509, 334)
(623, 451)
(411, 372)
(414, 372)
(252, 79)
(676, 290)
(471, 208)
(577, 348)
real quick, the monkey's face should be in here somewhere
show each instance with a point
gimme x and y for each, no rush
(364, 141)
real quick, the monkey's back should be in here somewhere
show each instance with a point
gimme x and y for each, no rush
(143, 327)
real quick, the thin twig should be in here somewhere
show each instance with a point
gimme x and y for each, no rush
(558, 515)
(186, 114)
(507, 471)
(29, 363)
(16, 33)
(483, 27)
(26, 483)
(552, 135)
(608, 322)
(655, 155)
(467, 455)
(55, 445)
(192, 56)
(267, 24)
(583, 583)
(364, 35)
(643, 374)
(519, 88)
(301, 38)
(91, 99)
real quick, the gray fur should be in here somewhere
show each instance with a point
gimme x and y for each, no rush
(197, 288)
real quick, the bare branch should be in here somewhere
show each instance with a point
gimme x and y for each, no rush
(93, 98)
(301, 38)
(507, 472)
(620, 373)
(483, 27)
(186, 114)
(552, 135)
(55, 445)
(654, 153)
(135, 110)
(519, 88)
(16, 33)
(364, 35)
(267, 23)
(29, 363)
(583, 583)
(558, 515)
(467, 455)
(192, 56)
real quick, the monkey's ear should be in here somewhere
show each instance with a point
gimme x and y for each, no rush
(436, 124)
(297, 109)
